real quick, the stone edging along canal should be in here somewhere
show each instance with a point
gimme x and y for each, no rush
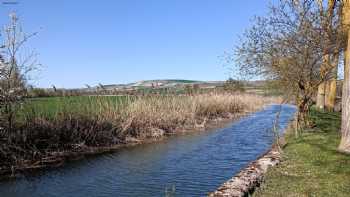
(250, 177)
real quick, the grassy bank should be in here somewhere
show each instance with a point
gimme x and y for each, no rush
(312, 166)
(48, 128)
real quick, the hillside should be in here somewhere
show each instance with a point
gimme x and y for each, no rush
(161, 83)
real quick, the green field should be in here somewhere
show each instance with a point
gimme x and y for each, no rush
(312, 166)
(49, 107)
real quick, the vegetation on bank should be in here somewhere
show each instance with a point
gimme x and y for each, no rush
(312, 165)
(75, 124)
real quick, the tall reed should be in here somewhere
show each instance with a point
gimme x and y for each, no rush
(72, 124)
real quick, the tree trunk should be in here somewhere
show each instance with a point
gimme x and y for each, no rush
(345, 123)
(332, 94)
(321, 93)
(320, 102)
(331, 87)
(303, 110)
(327, 90)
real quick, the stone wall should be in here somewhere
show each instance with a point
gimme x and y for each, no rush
(250, 177)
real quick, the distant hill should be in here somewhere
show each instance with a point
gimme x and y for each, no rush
(159, 83)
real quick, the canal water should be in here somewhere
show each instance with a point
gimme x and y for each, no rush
(183, 165)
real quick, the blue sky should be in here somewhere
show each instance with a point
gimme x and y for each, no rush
(120, 41)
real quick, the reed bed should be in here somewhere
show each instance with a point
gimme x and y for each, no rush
(75, 125)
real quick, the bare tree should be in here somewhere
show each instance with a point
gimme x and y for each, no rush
(15, 67)
(345, 125)
(288, 46)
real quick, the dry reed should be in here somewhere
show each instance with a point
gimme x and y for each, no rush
(106, 123)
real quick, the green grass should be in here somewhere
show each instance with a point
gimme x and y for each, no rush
(50, 106)
(312, 166)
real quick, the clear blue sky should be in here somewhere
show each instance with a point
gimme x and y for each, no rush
(120, 41)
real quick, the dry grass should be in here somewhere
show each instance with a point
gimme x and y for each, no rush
(103, 123)
(168, 114)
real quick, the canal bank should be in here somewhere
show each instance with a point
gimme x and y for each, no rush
(48, 136)
(193, 164)
(248, 179)
(311, 164)
(80, 151)
(252, 176)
